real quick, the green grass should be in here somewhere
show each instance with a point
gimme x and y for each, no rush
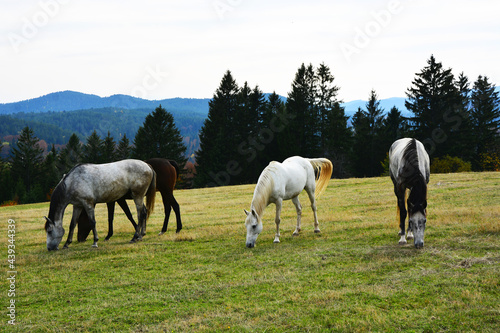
(353, 277)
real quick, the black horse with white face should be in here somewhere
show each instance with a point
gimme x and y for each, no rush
(409, 170)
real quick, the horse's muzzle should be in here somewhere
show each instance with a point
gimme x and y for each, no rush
(53, 248)
(419, 245)
(250, 245)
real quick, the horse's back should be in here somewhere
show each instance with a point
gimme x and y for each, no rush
(166, 173)
(110, 181)
(399, 163)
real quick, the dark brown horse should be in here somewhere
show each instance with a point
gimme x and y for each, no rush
(167, 172)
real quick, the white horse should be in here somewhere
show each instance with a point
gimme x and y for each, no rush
(284, 181)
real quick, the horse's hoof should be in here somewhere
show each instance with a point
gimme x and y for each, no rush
(276, 241)
(94, 245)
(160, 233)
(402, 243)
(317, 231)
(177, 231)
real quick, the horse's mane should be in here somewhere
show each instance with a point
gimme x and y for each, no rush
(263, 189)
(414, 178)
(58, 195)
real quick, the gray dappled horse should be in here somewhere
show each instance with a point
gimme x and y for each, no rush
(88, 184)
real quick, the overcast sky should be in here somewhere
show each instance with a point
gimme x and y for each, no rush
(157, 49)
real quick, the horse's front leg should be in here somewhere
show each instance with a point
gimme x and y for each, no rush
(401, 215)
(74, 219)
(298, 208)
(277, 220)
(111, 215)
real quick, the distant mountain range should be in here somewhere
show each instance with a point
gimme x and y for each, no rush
(72, 101)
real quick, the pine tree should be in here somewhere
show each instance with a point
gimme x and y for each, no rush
(361, 140)
(335, 134)
(93, 150)
(302, 135)
(218, 137)
(159, 137)
(109, 149)
(70, 156)
(435, 101)
(27, 158)
(485, 116)
(124, 150)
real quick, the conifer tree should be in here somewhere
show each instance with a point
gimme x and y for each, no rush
(218, 137)
(123, 150)
(93, 150)
(485, 116)
(70, 156)
(108, 149)
(159, 137)
(335, 134)
(435, 101)
(27, 159)
(302, 135)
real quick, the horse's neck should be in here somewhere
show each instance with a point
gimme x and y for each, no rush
(262, 194)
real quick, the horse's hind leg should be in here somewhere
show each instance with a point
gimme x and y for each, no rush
(298, 208)
(177, 211)
(123, 204)
(310, 193)
(277, 220)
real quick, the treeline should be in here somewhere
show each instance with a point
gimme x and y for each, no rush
(57, 127)
(244, 130)
(29, 175)
(458, 122)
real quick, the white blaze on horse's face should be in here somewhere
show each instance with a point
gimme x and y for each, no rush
(54, 235)
(417, 222)
(254, 227)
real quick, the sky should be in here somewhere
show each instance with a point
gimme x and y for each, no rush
(158, 49)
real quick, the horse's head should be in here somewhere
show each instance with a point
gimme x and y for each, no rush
(253, 224)
(54, 234)
(417, 220)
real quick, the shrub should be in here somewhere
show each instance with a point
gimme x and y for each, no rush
(490, 162)
(449, 164)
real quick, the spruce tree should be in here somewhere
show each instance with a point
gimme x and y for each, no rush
(109, 149)
(218, 137)
(335, 138)
(302, 134)
(435, 103)
(123, 150)
(93, 150)
(70, 156)
(485, 116)
(27, 159)
(159, 137)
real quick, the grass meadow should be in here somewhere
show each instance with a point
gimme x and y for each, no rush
(352, 277)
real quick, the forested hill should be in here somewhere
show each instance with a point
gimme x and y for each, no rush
(71, 101)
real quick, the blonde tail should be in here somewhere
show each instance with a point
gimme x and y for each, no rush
(323, 169)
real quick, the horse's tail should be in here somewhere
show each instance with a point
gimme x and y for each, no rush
(323, 169)
(176, 166)
(151, 195)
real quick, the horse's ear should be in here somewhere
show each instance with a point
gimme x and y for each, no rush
(254, 212)
(49, 221)
(246, 212)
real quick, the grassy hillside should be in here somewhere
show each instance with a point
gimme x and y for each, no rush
(353, 277)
